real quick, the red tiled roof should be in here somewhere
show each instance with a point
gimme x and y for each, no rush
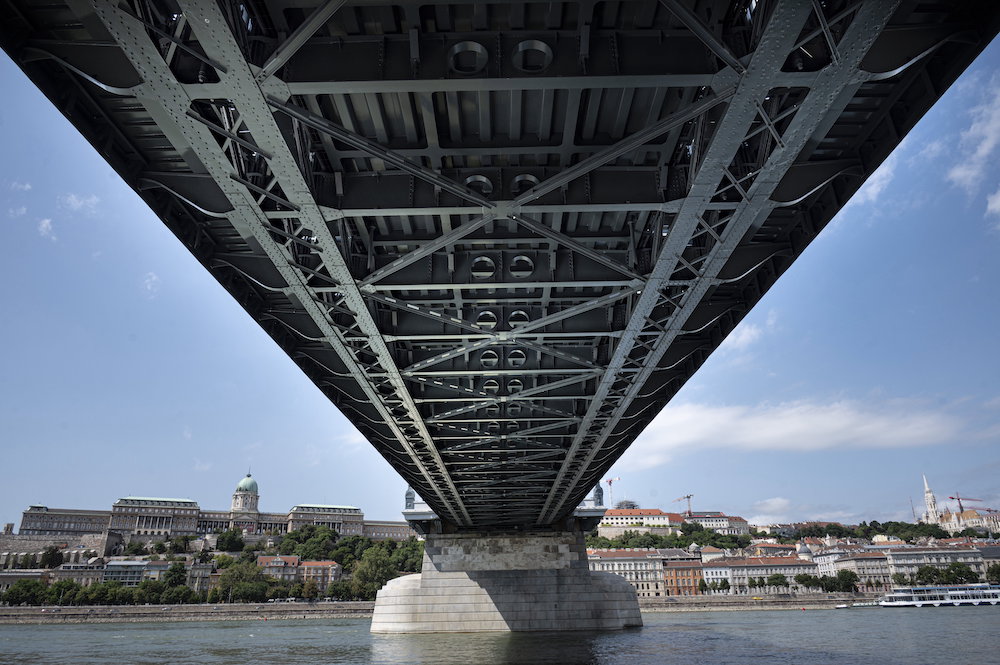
(761, 561)
(319, 563)
(629, 512)
(635, 553)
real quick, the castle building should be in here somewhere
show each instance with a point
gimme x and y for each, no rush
(154, 518)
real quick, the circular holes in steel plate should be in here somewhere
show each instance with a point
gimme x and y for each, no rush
(483, 267)
(492, 411)
(467, 58)
(515, 386)
(532, 56)
(491, 386)
(513, 427)
(522, 183)
(518, 318)
(489, 359)
(479, 184)
(517, 358)
(513, 410)
(487, 320)
(493, 428)
(522, 267)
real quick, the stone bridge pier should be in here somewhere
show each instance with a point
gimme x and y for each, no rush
(524, 581)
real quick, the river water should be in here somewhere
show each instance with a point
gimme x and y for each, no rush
(954, 636)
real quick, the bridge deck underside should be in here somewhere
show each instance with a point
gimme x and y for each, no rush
(499, 236)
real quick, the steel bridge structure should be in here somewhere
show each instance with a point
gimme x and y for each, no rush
(499, 236)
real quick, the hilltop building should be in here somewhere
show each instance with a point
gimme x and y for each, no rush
(956, 521)
(147, 518)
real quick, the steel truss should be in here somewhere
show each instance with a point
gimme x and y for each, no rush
(499, 236)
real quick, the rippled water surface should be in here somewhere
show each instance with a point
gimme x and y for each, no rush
(834, 637)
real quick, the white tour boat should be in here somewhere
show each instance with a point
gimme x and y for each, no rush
(943, 594)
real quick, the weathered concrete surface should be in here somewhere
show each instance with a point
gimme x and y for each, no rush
(505, 582)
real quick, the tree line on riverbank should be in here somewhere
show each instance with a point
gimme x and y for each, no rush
(691, 533)
(366, 564)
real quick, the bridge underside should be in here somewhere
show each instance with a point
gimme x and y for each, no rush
(499, 236)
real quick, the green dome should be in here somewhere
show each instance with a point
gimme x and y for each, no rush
(248, 484)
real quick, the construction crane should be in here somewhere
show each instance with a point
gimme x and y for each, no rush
(960, 499)
(611, 494)
(682, 498)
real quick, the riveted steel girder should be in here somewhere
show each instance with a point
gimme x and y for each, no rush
(499, 236)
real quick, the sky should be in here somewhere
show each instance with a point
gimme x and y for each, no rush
(125, 369)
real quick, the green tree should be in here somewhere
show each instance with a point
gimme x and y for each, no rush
(160, 547)
(929, 575)
(243, 582)
(180, 544)
(959, 573)
(277, 591)
(57, 593)
(993, 574)
(178, 595)
(27, 561)
(340, 590)
(135, 548)
(223, 561)
(847, 580)
(51, 557)
(176, 575)
(149, 591)
(899, 579)
(777, 580)
(371, 573)
(408, 556)
(26, 592)
(723, 585)
(805, 580)
(310, 590)
(703, 585)
(230, 541)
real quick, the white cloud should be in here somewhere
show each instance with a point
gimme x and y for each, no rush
(929, 152)
(186, 433)
(744, 335)
(979, 140)
(200, 466)
(20, 186)
(802, 426)
(993, 204)
(45, 229)
(151, 284)
(17, 212)
(87, 204)
(777, 504)
(878, 181)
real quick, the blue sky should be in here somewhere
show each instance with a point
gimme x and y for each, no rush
(125, 369)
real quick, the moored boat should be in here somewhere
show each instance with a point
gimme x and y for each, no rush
(943, 595)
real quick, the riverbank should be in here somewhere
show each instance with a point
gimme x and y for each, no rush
(362, 609)
(825, 601)
(167, 613)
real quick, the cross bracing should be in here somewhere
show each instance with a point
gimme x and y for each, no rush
(499, 236)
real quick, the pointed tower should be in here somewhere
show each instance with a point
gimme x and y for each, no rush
(931, 516)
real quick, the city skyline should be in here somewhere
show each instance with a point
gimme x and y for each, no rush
(129, 371)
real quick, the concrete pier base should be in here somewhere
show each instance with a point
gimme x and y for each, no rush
(501, 582)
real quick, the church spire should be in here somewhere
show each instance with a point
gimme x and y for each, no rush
(931, 516)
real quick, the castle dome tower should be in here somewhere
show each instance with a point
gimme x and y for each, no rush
(245, 497)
